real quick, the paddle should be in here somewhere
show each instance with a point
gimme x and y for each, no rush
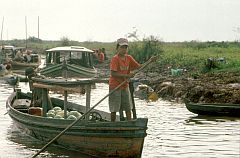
(74, 122)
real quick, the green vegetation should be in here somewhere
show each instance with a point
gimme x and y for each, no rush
(191, 56)
(225, 56)
(143, 50)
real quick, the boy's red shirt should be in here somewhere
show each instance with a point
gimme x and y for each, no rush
(123, 67)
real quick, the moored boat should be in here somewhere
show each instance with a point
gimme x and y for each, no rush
(214, 109)
(73, 61)
(94, 134)
(9, 55)
(16, 65)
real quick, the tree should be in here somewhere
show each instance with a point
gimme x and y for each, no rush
(34, 39)
(65, 41)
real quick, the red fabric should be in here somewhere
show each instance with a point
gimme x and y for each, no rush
(101, 57)
(122, 67)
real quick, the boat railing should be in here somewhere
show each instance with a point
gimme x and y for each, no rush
(66, 86)
(75, 86)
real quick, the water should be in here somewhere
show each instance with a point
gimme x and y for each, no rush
(173, 131)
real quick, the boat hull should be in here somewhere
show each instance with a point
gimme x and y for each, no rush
(214, 109)
(100, 139)
(23, 65)
(72, 71)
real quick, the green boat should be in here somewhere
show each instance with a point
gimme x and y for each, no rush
(70, 61)
(214, 109)
(94, 134)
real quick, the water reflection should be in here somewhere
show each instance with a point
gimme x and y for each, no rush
(200, 119)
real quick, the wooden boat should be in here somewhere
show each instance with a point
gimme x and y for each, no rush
(76, 61)
(214, 109)
(16, 65)
(94, 135)
(9, 53)
(6, 52)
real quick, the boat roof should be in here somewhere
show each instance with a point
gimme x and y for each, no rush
(70, 49)
(7, 47)
(17, 48)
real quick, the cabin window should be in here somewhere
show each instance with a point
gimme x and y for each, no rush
(77, 58)
(48, 58)
(76, 55)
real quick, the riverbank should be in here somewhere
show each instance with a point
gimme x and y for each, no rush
(210, 87)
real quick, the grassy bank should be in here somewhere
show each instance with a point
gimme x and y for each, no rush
(191, 56)
(225, 56)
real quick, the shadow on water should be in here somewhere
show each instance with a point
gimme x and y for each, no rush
(205, 119)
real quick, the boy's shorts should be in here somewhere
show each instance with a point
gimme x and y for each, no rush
(120, 100)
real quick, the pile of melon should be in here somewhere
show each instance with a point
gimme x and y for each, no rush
(58, 113)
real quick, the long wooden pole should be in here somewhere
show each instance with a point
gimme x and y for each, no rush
(38, 28)
(74, 122)
(2, 31)
(26, 30)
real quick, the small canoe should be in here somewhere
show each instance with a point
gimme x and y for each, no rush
(214, 109)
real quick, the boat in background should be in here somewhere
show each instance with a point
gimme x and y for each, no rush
(70, 62)
(9, 53)
(6, 53)
(214, 109)
(94, 134)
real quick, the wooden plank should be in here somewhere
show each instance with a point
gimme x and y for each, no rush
(88, 99)
(78, 89)
(44, 101)
(65, 104)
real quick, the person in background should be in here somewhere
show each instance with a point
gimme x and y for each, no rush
(104, 52)
(100, 56)
(19, 56)
(95, 56)
(27, 57)
(5, 68)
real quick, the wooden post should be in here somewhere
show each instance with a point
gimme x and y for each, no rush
(131, 88)
(88, 98)
(26, 30)
(64, 68)
(65, 104)
(44, 101)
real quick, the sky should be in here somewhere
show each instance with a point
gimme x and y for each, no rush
(108, 20)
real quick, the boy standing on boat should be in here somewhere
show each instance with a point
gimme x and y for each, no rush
(121, 66)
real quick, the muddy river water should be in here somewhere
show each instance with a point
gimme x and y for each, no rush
(173, 131)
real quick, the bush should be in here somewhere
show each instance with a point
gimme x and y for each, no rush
(143, 50)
